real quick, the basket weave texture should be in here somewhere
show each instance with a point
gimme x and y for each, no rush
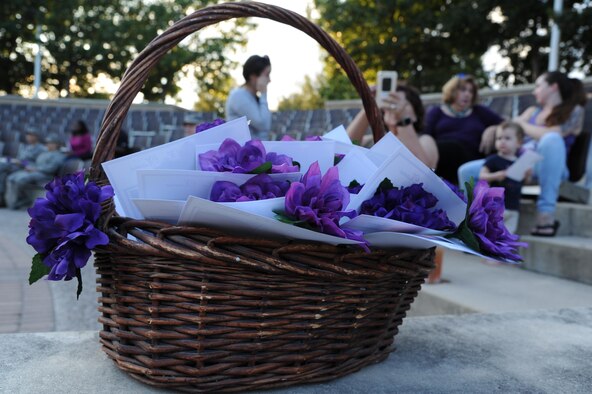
(200, 310)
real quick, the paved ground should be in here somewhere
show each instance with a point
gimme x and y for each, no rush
(44, 306)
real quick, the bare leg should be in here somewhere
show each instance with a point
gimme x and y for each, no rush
(431, 150)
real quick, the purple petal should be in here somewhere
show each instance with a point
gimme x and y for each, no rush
(224, 191)
(294, 197)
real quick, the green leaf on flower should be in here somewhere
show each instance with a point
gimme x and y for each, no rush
(281, 216)
(79, 278)
(295, 163)
(264, 168)
(354, 183)
(465, 234)
(38, 269)
(469, 189)
(385, 185)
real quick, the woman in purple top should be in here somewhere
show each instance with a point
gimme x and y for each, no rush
(457, 125)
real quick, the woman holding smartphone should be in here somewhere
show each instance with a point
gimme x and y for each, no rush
(250, 99)
(403, 116)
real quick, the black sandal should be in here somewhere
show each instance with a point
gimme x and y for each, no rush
(546, 230)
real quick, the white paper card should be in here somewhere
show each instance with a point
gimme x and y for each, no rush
(388, 240)
(305, 152)
(180, 184)
(199, 211)
(369, 224)
(387, 146)
(338, 134)
(179, 154)
(355, 166)
(526, 161)
(167, 211)
(260, 207)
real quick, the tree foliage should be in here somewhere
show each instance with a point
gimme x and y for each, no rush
(429, 41)
(308, 98)
(83, 40)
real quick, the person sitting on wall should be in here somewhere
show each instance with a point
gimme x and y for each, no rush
(26, 155)
(44, 168)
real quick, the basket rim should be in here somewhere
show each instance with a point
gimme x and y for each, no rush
(136, 74)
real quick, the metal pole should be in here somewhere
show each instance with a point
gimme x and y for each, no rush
(38, 62)
(555, 37)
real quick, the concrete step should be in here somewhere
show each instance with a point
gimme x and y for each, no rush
(545, 351)
(567, 257)
(575, 218)
(470, 284)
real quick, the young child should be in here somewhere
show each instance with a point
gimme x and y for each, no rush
(508, 140)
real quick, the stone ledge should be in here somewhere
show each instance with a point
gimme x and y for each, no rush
(538, 351)
(561, 256)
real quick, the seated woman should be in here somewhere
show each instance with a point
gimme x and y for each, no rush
(457, 125)
(80, 141)
(550, 127)
(403, 116)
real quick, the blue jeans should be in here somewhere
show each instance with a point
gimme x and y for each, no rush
(550, 171)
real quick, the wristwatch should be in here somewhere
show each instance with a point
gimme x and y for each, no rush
(404, 122)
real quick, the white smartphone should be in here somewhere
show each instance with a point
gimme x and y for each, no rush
(386, 82)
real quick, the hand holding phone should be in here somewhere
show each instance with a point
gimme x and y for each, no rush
(386, 82)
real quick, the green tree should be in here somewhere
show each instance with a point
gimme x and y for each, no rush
(426, 42)
(308, 98)
(429, 41)
(523, 36)
(86, 39)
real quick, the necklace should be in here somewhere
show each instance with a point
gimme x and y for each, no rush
(459, 114)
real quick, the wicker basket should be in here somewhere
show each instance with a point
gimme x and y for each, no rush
(198, 310)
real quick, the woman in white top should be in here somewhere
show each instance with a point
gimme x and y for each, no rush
(250, 99)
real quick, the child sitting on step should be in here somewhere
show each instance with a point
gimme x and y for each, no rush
(508, 140)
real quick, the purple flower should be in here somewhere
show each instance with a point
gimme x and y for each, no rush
(411, 204)
(354, 187)
(486, 221)
(205, 125)
(281, 163)
(62, 227)
(456, 190)
(259, 187)
(231, 157)
(307, 138)
(313, 138)
(318, 201)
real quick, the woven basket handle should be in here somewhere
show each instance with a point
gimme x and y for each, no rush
(136, 75)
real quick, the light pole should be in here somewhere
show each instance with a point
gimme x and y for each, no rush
(555, 37)
(38, 62)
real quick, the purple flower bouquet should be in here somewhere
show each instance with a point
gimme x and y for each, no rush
(409, 209)
(248, 159)
(62, 227)
(260, 195)
(318, 203)
(483, 230)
